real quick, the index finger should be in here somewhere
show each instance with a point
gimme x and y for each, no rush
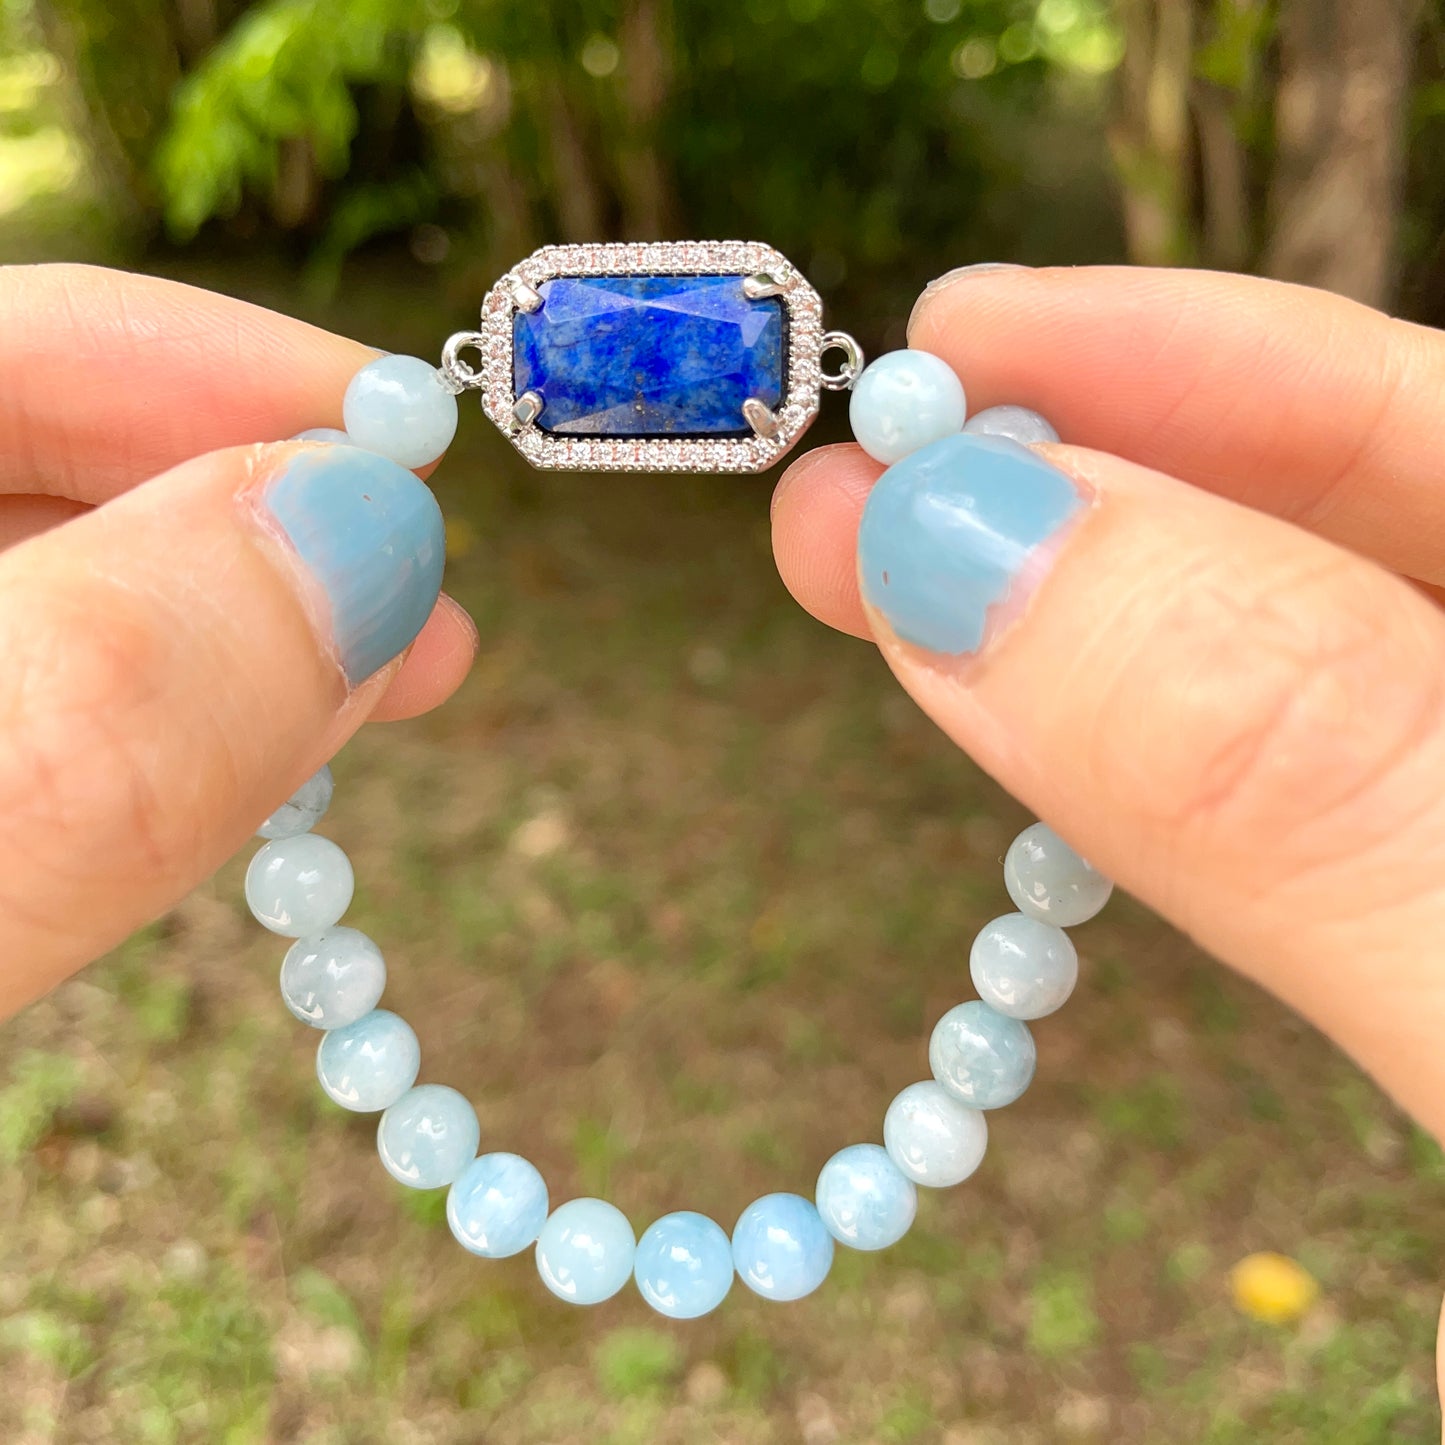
(109, 378)
(1293, 401)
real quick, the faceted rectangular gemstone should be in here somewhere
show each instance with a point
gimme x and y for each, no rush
(648, 356)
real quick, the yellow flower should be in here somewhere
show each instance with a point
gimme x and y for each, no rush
(1272, 1287)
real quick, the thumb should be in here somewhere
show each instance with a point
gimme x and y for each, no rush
(178, 661)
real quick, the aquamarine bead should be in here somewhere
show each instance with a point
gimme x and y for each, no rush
(497, 1205)
(370, 1064)
(331, 979)
(684, 1265)
(297, 886)
(1046, 879)
(932, 1137)
(1023, 968)
(904, 401)
(428, 1136)
(864, 1200)
(585, 1251)
(781, 1249)
(303, 810)
(1017, 423)
(400, 407)
(332, 434)
(982, 1057)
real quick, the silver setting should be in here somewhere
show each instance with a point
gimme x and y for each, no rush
(527, 408)
(853, 361)
(761, 417)
(527, 298)
(755, 288)
(803, 312)
(456, 375)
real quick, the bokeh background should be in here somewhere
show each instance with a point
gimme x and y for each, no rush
(676, 886)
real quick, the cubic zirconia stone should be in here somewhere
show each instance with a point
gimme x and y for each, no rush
(646, 356)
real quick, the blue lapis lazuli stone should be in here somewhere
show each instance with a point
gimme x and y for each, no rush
(649, 356)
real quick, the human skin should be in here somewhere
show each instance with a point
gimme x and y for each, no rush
(1224, 687)
(174, 670)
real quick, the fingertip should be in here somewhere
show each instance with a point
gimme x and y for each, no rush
(437, 665)
(923, 319)
(803, 467)
(89, 350)
(816, 509)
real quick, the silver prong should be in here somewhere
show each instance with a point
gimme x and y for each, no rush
(761, 417)
(525, 297)
(527, 408)
(757, 286)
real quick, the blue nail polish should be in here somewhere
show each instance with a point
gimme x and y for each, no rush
(371, 534)
(949, 529)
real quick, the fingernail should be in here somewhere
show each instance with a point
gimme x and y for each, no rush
(952, 278)
(955, 536)
(370, 534)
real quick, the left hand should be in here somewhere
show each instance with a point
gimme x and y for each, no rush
(192, 619)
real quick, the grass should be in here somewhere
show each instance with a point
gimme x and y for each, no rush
(673, 891)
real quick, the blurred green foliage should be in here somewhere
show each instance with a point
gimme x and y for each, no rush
(875, 141)
(637, 1361)
(40, 1086)
(864, 137)
(286, 71)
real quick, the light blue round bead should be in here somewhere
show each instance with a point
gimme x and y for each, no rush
(585, 1251)
(781, 1249)
(303, 810)
(332, 434)
(684, 1265)
(1046, 879)
(904, 401)
(400, 407)
(982, 1057)
(428, 1136)
(370, 1064)
(1022, 967)
(331, 979)
(1017, 423)
(931, 1137)
(296, 886)
(497, 1205)
(864, 1199)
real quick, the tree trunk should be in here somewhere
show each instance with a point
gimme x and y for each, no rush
(197, 26)
(575, 192)
(121, 63)
(1228, 101)
(1224, 192)
(1150, 135)
(1339, 144)
(643, 184)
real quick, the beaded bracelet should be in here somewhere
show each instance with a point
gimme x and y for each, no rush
(552, 383)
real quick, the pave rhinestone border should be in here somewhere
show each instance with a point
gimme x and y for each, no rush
(804, 340)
